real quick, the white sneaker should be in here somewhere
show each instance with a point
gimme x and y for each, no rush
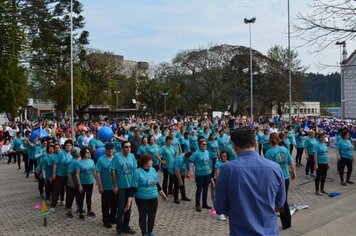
(222, 217)
(52, 209)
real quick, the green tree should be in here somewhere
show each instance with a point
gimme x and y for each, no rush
(12, 76)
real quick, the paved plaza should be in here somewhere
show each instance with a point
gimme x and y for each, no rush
(18, 197)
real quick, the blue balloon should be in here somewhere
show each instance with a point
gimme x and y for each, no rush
(99, 152)
(38, 132)
(105, 134)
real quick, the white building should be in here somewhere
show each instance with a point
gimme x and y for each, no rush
(304, 109)
(348, 74)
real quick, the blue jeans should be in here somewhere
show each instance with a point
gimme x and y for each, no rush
(123, 218)
(202, 185)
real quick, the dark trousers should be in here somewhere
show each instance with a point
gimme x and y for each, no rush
(18, 155)
(71, 194)
(26, 161)
(321, 173)
(286, 218)
(123, 218)
(48, 190)
(40, 182)
(147, 209)
(345, 162)
(264, 152)
(298, 157)
(310, 165)
(260, 149)
(59, 186)
(291, 148)
(212, 163)
(11, 155)
(87, 193)
(31, 166)
(202, 186)
(178, 188)
(108, 206)
(167, 182)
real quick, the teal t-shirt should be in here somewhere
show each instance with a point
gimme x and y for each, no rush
(117, 145)
(103, 166)
(193, 143)
(168, 153)
(345, 148)
(201, 162)
(310, 145)
(219, 164)
(291, 137)
(231, 152)
(86, 168)
(213, 149)
(152, 150)
(47, 164)
(223, 142)
(142, 150)
(179, 164)
(299, 140)
(17, 144)
(125, 168)
(62, 162)
(40, 155)
(281, 156)
(146, 183)
(184, 144)
(71, 169)
(321, 150)
(265, 138)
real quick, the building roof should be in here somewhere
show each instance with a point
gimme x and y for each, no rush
(349, 58)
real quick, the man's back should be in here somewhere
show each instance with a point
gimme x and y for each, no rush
(248, 190)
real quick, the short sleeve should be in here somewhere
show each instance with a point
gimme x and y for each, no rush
(135, 179)
(77, 166)
(193, 157)
(98, 166)
(113, 164)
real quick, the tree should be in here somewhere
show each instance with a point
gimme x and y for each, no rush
(47, 28)
(12, 76)
(276, 92)
(330, 21)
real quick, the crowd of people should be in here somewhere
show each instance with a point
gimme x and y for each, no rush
(179, 148)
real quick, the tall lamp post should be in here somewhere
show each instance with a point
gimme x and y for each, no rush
(342, 44)
(289, 70)
(117, 99)
(71, 72)
(249, 22)
(165, 102)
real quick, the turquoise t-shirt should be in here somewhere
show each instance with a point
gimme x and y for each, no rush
(168, 153)
(152, 150)
(125, 168)
(291, 137)
(265, 138)
(345, 148)
(47, 164)
(213, 149)
(71, 169)
(231, 152)
(299, 140)
(17, 144)
(80, 141)
(201, 162)
(146, 183)
(62, 162)
(117, 145)
(281, 156)
(310, 145)
(40, 154)
(193, 142)
(180, 164)
(321, 150)
(223, 142)
(184, 144)
(103, 166)
(219, 164)
(142, 150)
(161, 140)
(86, 168)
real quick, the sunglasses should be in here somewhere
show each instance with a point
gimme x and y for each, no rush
(127, 146)
(204, 144)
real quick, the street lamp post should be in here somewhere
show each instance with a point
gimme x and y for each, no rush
(165, 102)
(249, 22)
(342, 44)
(117, 99)
(289, 70)
(71, 72)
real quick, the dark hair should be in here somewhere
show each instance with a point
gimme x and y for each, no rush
(243, 138)
(211, 136)
(274, 138)
(51, 145)
(169, 138)
(344, 133)
(188, 154)
(123, 143)
(227, 154)
(68, 141)
(27, 132)
(144, 159)
(83, 151)
(149, 137)
(143, 139)
(18, 133)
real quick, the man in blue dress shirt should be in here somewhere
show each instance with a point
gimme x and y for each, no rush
(250, 189)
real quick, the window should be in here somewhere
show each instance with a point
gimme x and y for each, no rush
(295, 111)
(308, 110)
(316, 110)
(305, 110)
(313, 110)
(301, 110)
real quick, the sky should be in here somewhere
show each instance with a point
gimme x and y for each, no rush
(156, 30)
